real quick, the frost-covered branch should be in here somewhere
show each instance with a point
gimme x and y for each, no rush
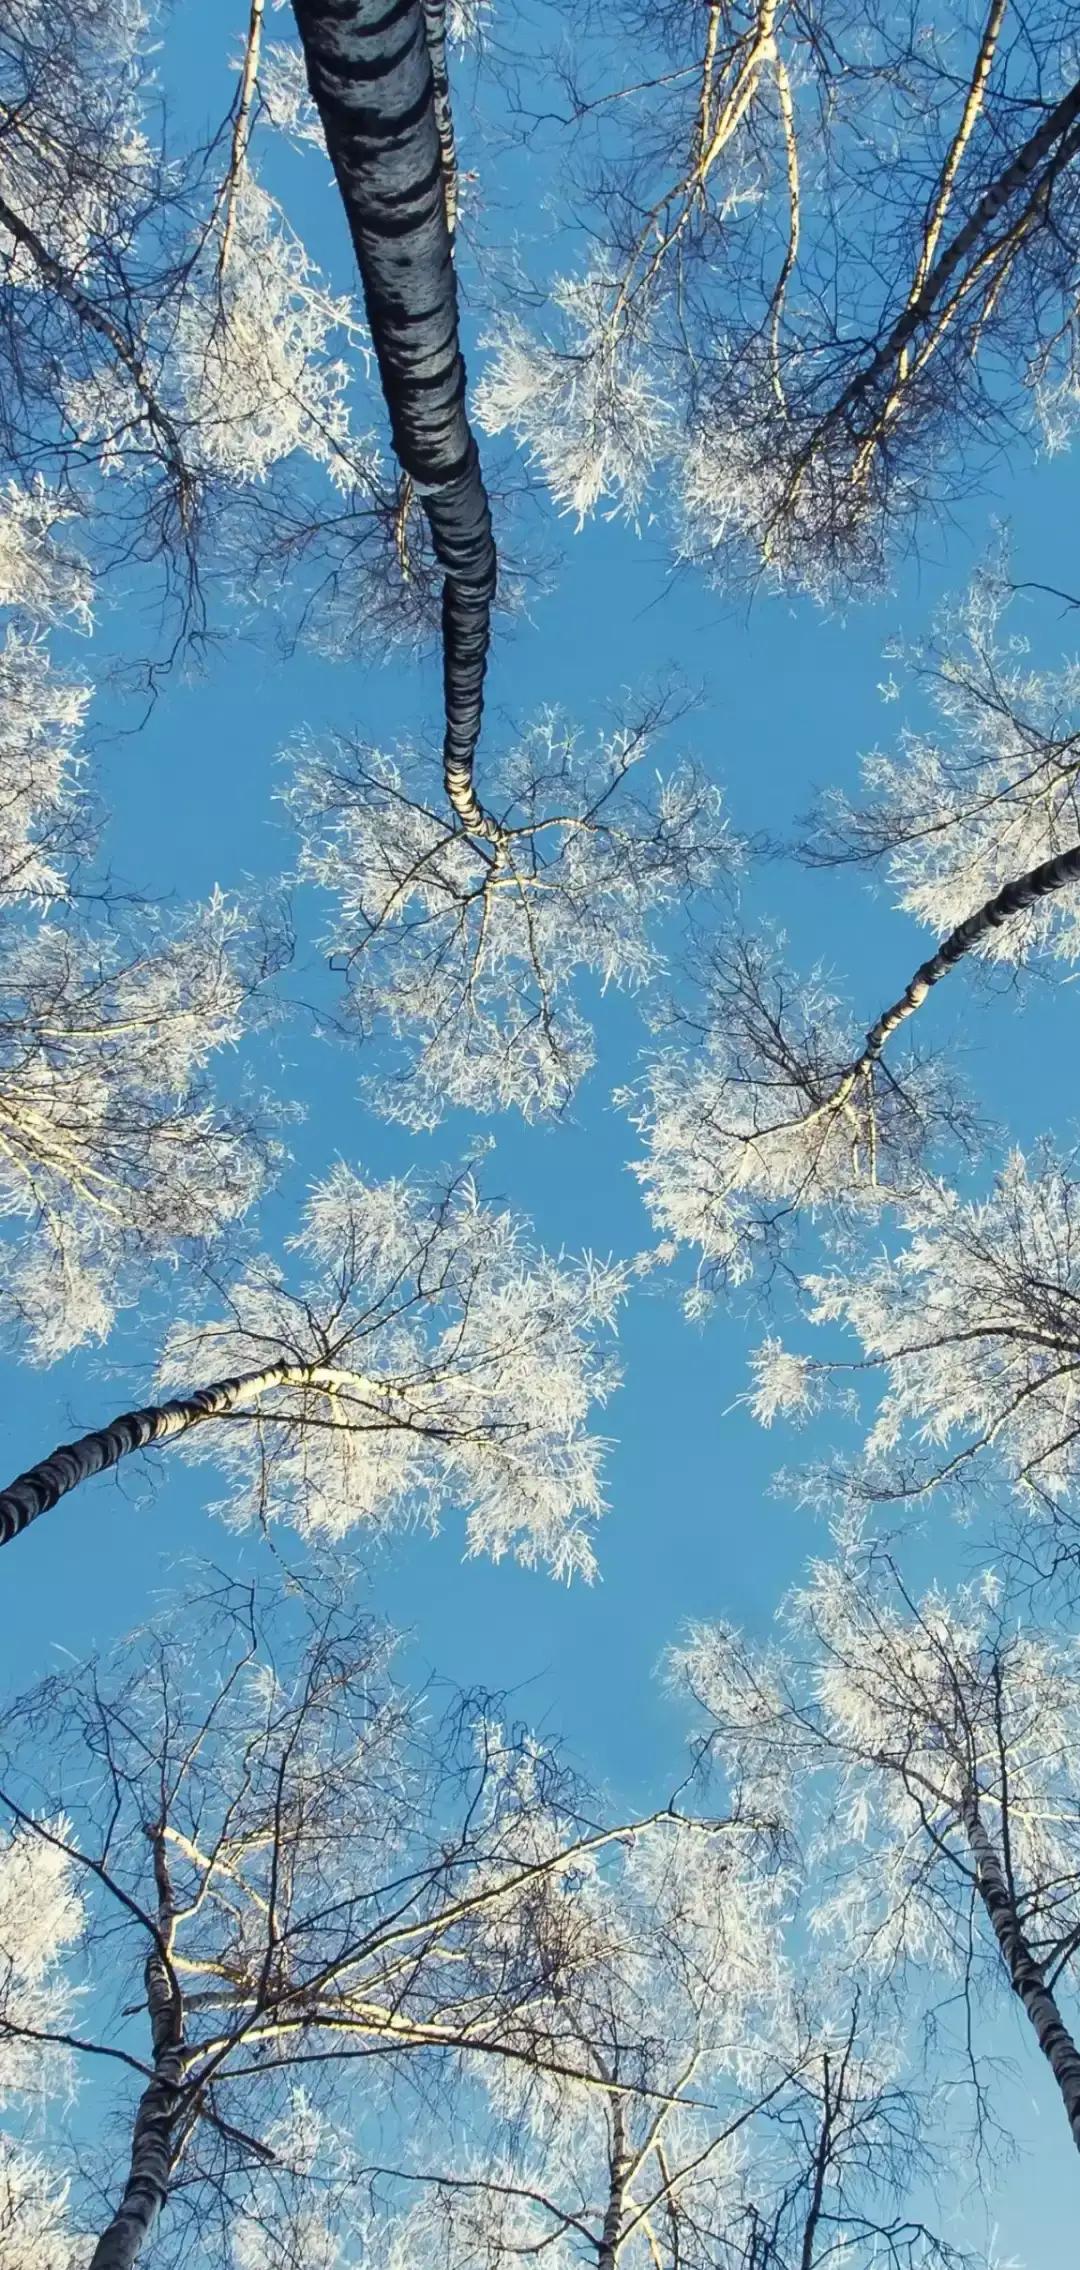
(832, 264)
(468, 951)
(761, 1119)
(933, 1742)
(431, 1358)
(334, 1872)
(973, 1328)
(983, 797)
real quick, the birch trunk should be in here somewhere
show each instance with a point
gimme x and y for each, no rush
(620, 2163)
(369, 68)
(152, 2143)
(1025, 1974)
(822, 2157)
(42, 1486)
(1015, 898)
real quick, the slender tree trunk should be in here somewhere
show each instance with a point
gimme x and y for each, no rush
(369, 68)
(152, 2142)
(1015, 898)
(620, 2162)
(42, 1486)
(822, 2157)
(1025, 1974)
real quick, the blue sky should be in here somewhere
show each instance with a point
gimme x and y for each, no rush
(789, 698)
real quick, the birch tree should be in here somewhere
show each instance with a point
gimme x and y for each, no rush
(467, 949)
(942, 1733)
(321, 1880)
(970, 1329)
(782, 2144)
(389, 160)
(975, 824)
(115, 1152)
(832, 262)
(754, 1115)
(426, 1357)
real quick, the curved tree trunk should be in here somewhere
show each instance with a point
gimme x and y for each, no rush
(42, 1486)
(1015, 898)
(153, 2137)
(1025, 1974)
(369, 68)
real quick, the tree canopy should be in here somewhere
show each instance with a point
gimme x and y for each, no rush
(539, 884)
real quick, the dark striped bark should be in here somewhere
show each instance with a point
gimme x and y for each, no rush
(42, 1486)
(153, 2137)
(1016, 898)
(1025, 1974)
(369, 68)
(822, 2160)
(435, 27)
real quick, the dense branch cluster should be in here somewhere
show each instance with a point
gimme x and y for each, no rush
(467, 949)
(332, 1881)
(429, 1357)
(829, 256)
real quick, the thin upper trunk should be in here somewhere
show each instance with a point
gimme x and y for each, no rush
(620, 2163)
(1025, 1974)
(153, 2136)
(1016, 897)
(43, 1485)
(822, 2157)
(369, 68)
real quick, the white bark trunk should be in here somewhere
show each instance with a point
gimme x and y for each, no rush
(608, 2252)
(42, 1486)
(1023, 892)
(1025, 1974)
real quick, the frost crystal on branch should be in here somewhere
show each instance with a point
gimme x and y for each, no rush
(587, 411)
(434, 1359)
(975, 1325)
(254, 353)
(37, 574)
(467, 948)
(760, 1121)
(41, 820)
(986, 796)
(34, 2228)
(113, 1151)
(40, 1915)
